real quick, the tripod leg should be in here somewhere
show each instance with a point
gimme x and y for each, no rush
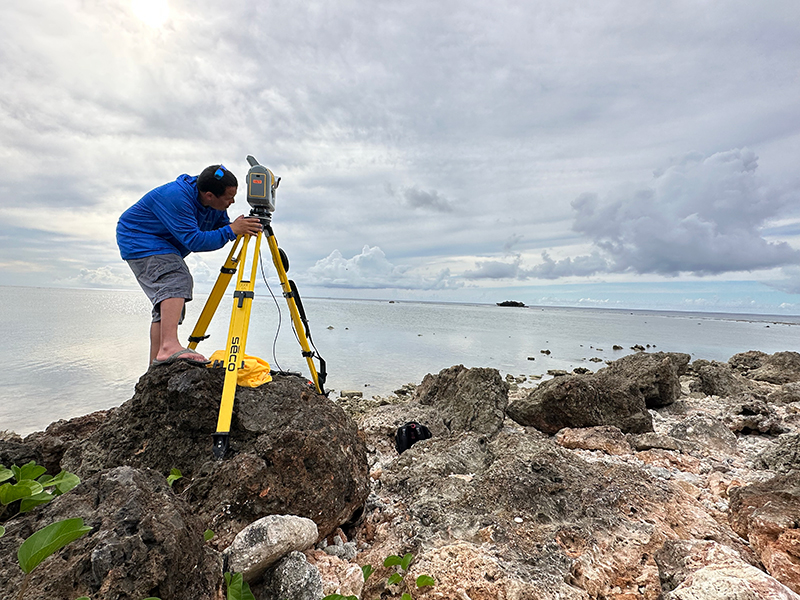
(223, 280)
(289, 292)
(237, 340)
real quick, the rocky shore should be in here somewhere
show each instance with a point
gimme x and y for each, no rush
(653, 477)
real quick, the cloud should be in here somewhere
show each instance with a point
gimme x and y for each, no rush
(371, 270)
(703, 215)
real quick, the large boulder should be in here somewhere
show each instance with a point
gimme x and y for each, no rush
(603, 398)
(716, 379)
(467, 399)
(657, 375)
(781, 457)
(767, 515)
(294, 451)
(145, 541)
(778, 368)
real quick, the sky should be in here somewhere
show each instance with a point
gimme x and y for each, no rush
(558, 152)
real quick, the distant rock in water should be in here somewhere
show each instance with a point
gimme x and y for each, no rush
(512, 303)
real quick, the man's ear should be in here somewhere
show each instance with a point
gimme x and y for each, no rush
(205, 198)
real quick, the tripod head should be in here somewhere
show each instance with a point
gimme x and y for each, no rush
(261, 187)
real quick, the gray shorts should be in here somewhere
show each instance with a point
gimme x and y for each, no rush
(163, 276)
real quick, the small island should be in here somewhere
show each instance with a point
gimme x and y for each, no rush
(512, 303)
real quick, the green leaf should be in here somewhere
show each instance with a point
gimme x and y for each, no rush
(367, 570)
(406, 596)
(238, 589)
(173, 476)
(33, 501)
(334, 597)
(424, 580)
(395, 578)
(27, 487)
(208, 535)
(29, 471)
(63, 482)
(2, 531)
(404, 564)
(392, 560)
(5, 474)
(47, 541)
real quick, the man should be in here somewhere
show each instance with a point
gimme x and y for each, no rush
(155, 234)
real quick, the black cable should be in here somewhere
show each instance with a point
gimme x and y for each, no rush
(277, 306)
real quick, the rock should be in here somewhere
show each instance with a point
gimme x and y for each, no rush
(295, 451)
(581, 370)
(293, 578)
(754, 416)
(716, 379)
(338, 576)
(789, 392)
(13, 451)
(705, 432)
(738, 582)
(351, 394)
(783, 456)
(608, 439)
(467, 399)
(649, 441)
(780, 368)
(747, 361)
(700, 569)
(557, 372)
(262, 543)
(51, 443)
(145, 541)
(517, 516)
(768, 515)
(656, 375)
(583, 401)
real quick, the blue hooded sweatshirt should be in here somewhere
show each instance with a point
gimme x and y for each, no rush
(170, 219)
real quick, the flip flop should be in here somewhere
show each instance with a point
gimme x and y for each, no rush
(177, 357)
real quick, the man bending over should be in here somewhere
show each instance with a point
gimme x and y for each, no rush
(155, 234)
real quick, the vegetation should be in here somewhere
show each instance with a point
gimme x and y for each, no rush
(30, 486)
(237, 587)
(401, 564)
(46, 542)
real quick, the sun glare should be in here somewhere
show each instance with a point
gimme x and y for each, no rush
(152, 12)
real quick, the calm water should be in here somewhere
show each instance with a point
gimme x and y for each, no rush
(71, 352)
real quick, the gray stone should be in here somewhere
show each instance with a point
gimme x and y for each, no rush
(789, 392)
(707, 432)
(716, 379)
(293, 578)
(467, 399)
(783, 456)
(584, 401)
(264, 542)
(780, 368)
(657, 375)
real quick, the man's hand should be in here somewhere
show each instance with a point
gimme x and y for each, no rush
(246, 225)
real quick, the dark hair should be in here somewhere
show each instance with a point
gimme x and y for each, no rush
(208, 181)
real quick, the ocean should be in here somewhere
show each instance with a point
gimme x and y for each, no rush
(68, 352)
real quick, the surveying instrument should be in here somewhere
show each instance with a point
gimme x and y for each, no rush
(261, 187)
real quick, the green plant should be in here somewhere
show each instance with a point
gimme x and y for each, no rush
(237, 587)
(208, 535)
(173, 476)
(403, 562)
(46, 542)
(29, 485)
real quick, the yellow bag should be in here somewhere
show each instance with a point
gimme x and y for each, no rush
(256, 370)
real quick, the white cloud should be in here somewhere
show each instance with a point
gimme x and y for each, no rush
(370, 269)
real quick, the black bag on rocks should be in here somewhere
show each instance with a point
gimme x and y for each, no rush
(410, 433)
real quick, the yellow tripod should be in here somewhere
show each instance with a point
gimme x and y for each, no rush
(243, 300)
